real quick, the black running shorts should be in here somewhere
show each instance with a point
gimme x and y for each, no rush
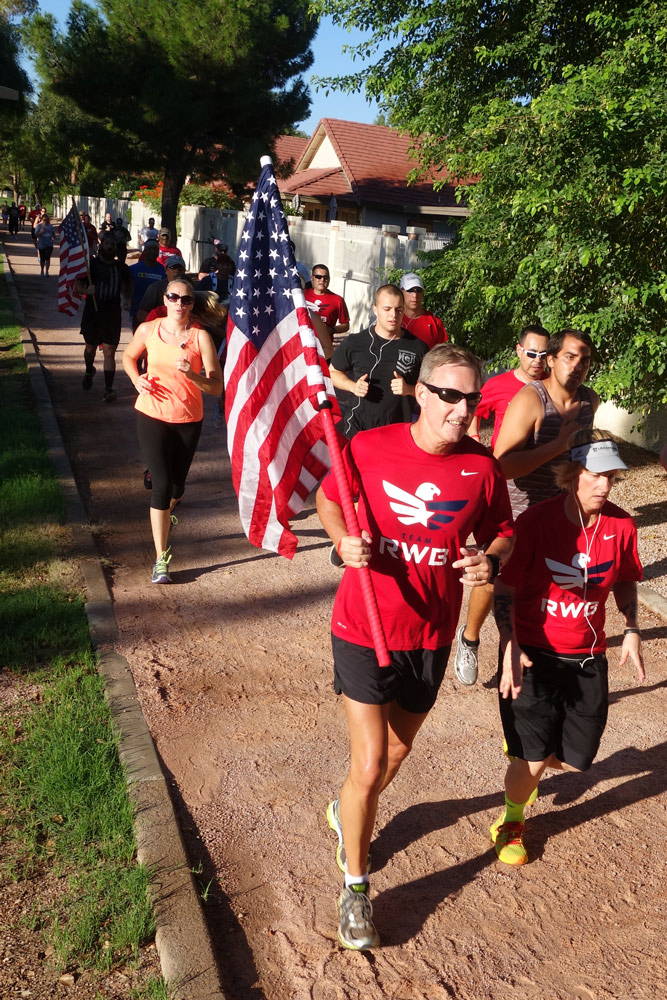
(413, 679)
(561, 710)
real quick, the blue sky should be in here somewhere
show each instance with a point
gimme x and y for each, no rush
(329, 61)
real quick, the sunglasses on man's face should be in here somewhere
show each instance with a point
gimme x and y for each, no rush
(324, 277)
(453, 396)
(533, 354)
(185, 300)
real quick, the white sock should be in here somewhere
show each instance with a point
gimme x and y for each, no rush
(355, 879)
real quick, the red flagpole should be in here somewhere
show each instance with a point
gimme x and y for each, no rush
(352, 525)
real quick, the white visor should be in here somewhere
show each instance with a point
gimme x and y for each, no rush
(598, 456)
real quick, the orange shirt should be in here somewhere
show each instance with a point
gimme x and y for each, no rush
(173, 398)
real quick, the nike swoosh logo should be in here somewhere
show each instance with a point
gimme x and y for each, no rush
(463, 473)
(607, 537)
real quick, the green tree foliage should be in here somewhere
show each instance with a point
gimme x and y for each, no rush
(557, 111)
(12, 76)
(52, 149)
(196, 88)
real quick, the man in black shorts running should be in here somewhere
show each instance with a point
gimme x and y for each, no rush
(422, 489)
(101, 321)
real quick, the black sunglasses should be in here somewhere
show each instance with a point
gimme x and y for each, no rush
(453, 396)
(186, 300)
(325, 277)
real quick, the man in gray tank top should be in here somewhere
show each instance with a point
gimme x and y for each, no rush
(541, 419)
(535, 432)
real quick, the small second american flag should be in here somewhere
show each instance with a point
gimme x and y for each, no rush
(274, 372)
(73, 261)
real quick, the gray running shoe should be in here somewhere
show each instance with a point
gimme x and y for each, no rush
(333, 820)
(465, 661)
(356, 929)
(161, 568)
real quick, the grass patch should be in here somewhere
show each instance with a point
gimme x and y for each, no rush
(64, 808)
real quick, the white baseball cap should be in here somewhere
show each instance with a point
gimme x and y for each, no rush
(410, 281)
(598, 456)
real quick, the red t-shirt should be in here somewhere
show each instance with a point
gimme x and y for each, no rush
(427, 327)
(497, 394)
(552, 599)
(332, 308)
(419, 510)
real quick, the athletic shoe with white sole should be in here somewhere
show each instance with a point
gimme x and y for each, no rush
(356, 929)
(161, 568)
(465, 660)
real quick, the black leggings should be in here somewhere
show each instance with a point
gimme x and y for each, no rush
(167, 450)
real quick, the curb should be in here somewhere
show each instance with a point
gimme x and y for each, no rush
(182, 938)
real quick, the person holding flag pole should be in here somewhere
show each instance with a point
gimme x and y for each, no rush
(74, 261)
(422, 489)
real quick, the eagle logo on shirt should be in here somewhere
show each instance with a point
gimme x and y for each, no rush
(568, 577)
(420, 507)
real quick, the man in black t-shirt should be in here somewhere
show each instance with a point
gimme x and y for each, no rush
(101, 322)
(377, 369)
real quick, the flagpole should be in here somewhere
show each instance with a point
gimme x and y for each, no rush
(352, 525)
(83, 237)
(316, 379)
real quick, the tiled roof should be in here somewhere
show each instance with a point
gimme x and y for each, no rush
(289, 147)
(324, 181)
(375, 162)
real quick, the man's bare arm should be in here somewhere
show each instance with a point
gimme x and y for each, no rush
(521, 419)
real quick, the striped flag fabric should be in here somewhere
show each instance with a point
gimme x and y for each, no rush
(275, 379)
(73, 261)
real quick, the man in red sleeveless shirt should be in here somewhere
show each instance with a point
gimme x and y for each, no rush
(497, 394)
(536, 430)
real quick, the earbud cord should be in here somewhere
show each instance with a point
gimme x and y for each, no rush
(378, 358)
(589, 548)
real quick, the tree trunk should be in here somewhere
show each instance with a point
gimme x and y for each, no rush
(173, 181)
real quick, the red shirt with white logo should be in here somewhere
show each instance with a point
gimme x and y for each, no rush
(332, 309)
(419, 510)
(427, 327)
(553, 598)
(497, 394)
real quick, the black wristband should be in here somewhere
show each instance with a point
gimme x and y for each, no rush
(495, 566)
(631, 631)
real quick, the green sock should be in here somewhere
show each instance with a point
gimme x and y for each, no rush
(513, 811)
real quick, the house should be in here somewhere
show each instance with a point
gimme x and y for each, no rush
(359, 174)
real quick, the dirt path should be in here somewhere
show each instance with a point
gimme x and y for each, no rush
(232, 665)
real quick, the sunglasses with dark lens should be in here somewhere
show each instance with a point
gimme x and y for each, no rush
(453, 396)
(533, 354)
(325, 277)
(185, 300)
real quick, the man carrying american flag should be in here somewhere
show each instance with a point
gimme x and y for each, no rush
(275, 377)
(73, 261)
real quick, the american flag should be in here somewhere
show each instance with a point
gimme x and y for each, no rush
(274, 375)
(73, 261)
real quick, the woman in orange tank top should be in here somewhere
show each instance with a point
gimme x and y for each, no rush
(181, 365)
